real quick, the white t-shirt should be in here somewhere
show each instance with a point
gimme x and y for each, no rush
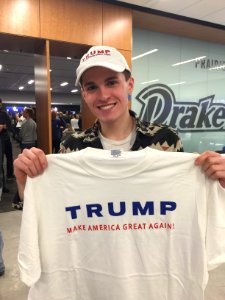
(128, 226)
(124, 145)
(20, 121)
(74, 123)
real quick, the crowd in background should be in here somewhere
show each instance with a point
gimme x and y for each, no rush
(63, 125)
(22, 128)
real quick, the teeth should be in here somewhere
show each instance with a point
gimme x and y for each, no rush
(105, 107)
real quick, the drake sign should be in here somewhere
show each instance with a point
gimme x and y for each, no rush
(159, 105)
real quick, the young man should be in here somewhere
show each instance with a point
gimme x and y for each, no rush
(28, 131)
(106, 83)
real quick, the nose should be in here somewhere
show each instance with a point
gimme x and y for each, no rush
(103, 93)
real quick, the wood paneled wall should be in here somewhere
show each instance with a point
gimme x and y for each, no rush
(43, 98)
(20, 17)
(117, 27)
(76, 21)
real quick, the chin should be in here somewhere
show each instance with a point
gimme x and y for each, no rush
(107, 119)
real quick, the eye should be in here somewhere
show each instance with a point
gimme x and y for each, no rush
(112, 82)
(90, 88)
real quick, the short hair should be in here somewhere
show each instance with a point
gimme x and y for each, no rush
(29, 111)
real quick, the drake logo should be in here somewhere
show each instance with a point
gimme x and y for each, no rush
(159, 105)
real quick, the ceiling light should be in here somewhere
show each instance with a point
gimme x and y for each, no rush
(68, 57)
(0, 67)
(74, 91)
(21, 88)
(21, 7)
(144, 54)
(5, 50)
(64, 83)
(217, 68)
(151, 81)
(177, 83)
(187, 61)
(50, 70)
(31, 81)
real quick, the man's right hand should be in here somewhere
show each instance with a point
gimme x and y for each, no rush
(31, 162)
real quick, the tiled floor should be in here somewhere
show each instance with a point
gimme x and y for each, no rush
(11, 288)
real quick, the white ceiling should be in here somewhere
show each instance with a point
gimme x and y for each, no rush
(18, 68)
(205, 10)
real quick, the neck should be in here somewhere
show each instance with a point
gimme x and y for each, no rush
(118, 130)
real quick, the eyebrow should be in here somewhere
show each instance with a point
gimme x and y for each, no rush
(107, 79)
(88, 83)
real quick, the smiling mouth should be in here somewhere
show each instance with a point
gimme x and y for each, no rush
(106, 107)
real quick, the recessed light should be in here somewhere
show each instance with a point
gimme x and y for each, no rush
(144, 54)
(69, 57)
(64, 83)
(176, 83)
(188, 61)
(74, 91)
(150, 81)
(31, 81)
(21, 88)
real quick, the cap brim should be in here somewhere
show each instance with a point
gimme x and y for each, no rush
(107, 65)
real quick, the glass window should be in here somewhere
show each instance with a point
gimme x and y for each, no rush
(181, 82)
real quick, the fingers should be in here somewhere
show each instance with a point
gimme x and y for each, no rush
(31, 162)
(213, 164)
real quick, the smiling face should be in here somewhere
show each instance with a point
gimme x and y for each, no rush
(106, 94)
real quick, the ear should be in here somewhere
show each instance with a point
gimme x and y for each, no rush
(130, 85)
(83, 94)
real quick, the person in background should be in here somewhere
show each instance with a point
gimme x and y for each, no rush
(106, 84)
(28, 139)
(58, 125)
(74, 122)
(6, 145)
(67, 132)
(19, 121)
(80, 121)
(64, 118)
(28, 131)
(2, 266)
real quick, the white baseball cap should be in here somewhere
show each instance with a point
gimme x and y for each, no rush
(101, 56)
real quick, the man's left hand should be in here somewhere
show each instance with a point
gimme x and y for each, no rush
(213, 164)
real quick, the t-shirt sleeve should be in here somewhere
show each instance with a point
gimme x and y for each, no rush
(28, 254)
(215, 233)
